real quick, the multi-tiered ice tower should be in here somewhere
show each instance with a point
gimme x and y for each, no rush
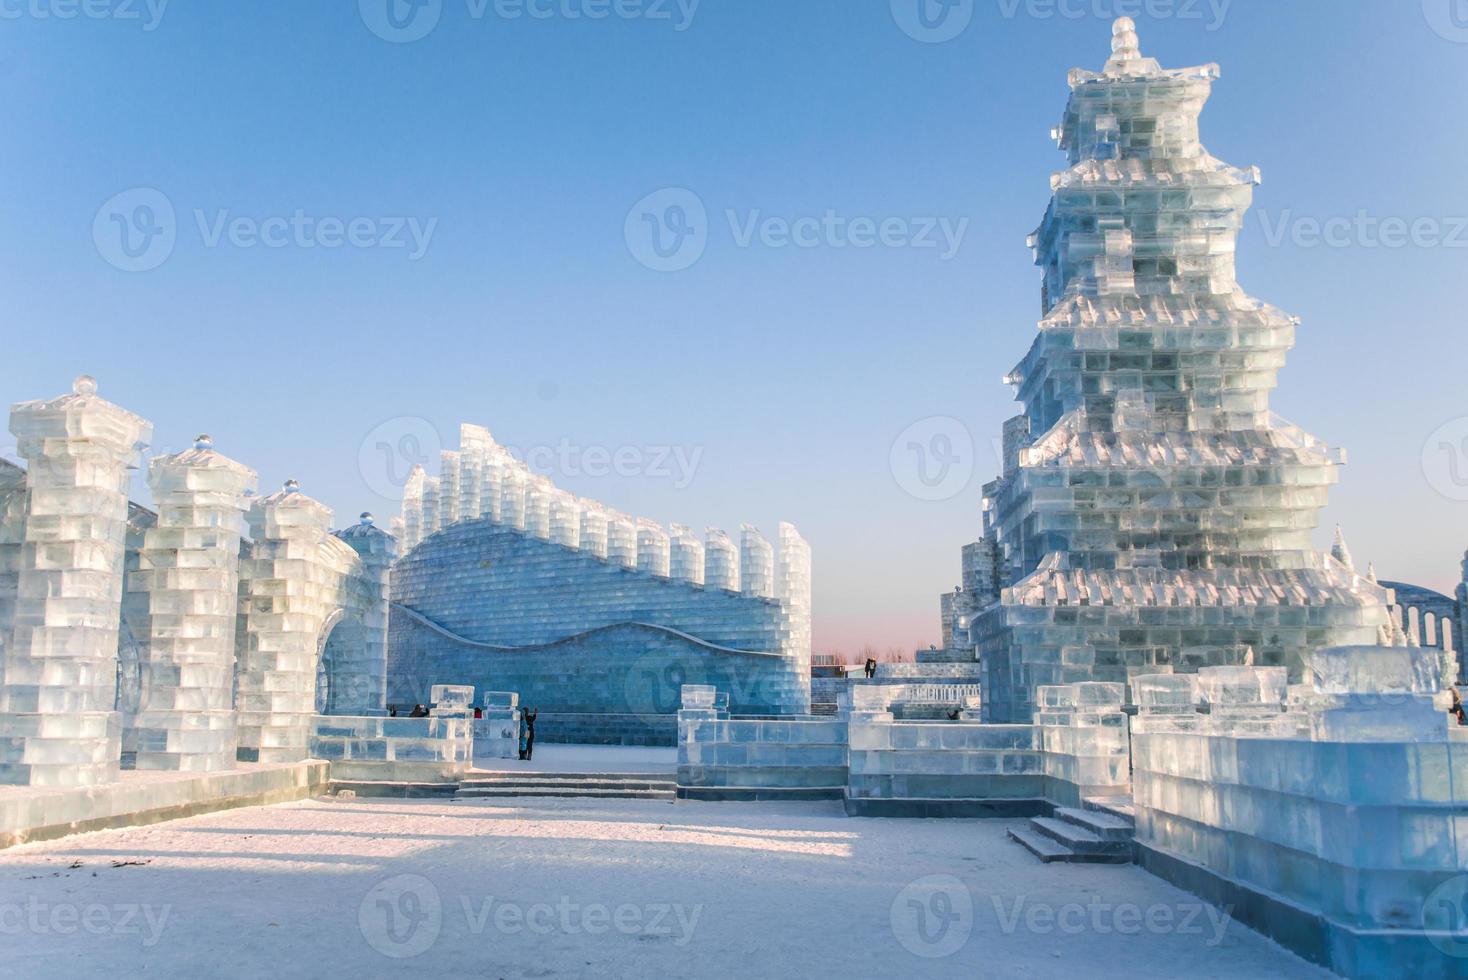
(1153, 514)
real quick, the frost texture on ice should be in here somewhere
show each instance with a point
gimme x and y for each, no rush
(1154, 514)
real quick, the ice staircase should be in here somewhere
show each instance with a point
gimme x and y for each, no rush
(602, 785)
(1100, 832)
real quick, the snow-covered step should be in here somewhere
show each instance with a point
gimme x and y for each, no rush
(1041, 846)
(1116, 806)
(527, 792)
(620, 786)
(1084, 845)
(1104, 825)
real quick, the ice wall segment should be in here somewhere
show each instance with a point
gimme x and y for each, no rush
(1153, 513)
(585, 610)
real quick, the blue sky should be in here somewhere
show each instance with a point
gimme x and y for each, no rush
(782, 375)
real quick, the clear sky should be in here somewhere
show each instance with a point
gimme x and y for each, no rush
(291, 312)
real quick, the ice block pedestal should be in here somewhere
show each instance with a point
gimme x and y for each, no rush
(58, 726)
(190, 567)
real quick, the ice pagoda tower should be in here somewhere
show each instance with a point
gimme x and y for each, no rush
(1153, 514)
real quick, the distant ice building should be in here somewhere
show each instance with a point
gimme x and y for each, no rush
(1153, 513)
(596, 619)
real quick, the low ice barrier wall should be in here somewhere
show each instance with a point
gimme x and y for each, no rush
(409, 750)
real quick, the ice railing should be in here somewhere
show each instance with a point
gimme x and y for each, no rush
(878, 697)
(484, 480)
(1363, 693)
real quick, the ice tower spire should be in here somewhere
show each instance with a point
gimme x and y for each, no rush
(1149, 477)
(1340, 552)
(1126, 50)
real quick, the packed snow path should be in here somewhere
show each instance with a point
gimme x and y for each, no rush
(583, 888)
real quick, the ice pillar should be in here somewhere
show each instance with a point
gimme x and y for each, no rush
(189, 566)
(365, 689)
(57, 723)
(286, 581)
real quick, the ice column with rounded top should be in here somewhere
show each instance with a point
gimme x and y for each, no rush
(652, 547)
(756, 562)
(189, 566)
(720, 562)
(57, 723)
(685, 555)
(365, 691)
(286, 602)
(621, 540)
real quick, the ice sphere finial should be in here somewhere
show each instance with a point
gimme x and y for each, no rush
(84, 384)
(292, 486)
(1125, 45)
(203, 441)
(366, 517)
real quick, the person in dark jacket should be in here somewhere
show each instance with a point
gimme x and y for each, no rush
(419, 712)
(530, 716)
(871, 667)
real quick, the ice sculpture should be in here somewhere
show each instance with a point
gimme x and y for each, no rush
(189, 566)
(58, 726)
(1153, 513)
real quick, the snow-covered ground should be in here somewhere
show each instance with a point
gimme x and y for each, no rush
(585, 888)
